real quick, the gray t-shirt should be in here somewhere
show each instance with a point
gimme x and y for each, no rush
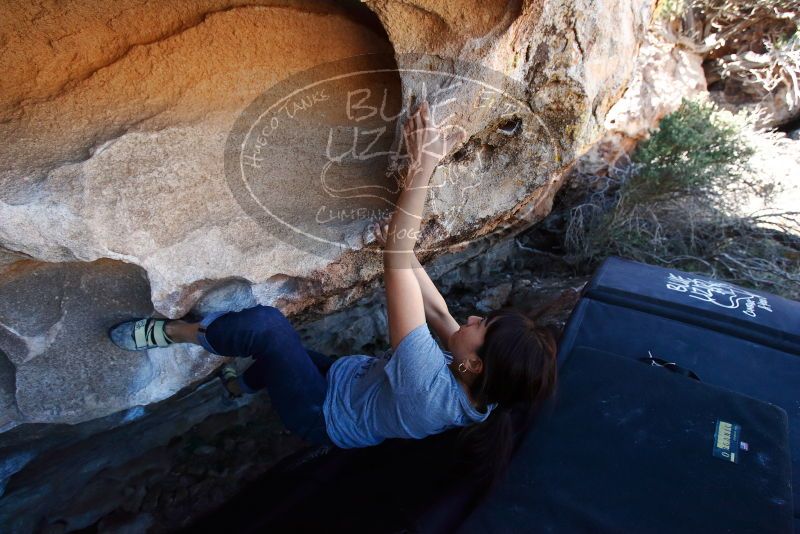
(408, 394)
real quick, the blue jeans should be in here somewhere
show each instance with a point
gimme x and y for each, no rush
(294, 377)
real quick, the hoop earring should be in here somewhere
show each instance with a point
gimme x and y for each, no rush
(462, 367)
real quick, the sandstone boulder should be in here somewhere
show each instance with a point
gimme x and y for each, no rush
(58, 364)
(665, 74)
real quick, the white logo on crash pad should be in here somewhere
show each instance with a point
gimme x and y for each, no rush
(719, 293)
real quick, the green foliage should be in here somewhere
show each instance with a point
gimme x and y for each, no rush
(676, 203)
(697, 151)
(671, 9)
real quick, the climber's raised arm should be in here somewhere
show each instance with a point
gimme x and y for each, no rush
(437, 314)
(426, 145)
(436, 311)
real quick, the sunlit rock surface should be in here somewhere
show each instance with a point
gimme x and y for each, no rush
(664, 75)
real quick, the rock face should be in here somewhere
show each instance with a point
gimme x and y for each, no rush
(118, 154)
(664, 75)
(114, 119)
(59, 364)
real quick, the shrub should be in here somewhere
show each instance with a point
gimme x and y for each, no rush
(697, 151)
(677, 202)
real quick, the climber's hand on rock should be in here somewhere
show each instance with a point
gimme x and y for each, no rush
(381, 230)
(428, 143)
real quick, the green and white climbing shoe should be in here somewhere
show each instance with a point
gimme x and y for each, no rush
(142, 334)
(229, 378)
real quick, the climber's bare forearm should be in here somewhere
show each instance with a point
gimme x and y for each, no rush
(405, 223)
(437, 314)
(405, 307)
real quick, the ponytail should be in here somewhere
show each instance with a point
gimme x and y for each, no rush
(519, 358)
(484, 450)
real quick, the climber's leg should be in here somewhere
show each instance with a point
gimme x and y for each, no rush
(182, 332)
(282, 365)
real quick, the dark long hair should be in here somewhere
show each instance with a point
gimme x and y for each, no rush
(519, 373)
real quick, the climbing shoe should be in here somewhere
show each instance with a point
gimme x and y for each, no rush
(141, 334)
(230, 380)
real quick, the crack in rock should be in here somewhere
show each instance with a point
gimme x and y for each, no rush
(38, 345)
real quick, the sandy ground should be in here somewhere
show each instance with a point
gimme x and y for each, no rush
(778, 163)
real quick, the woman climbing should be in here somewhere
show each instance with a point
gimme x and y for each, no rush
(485, 367)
